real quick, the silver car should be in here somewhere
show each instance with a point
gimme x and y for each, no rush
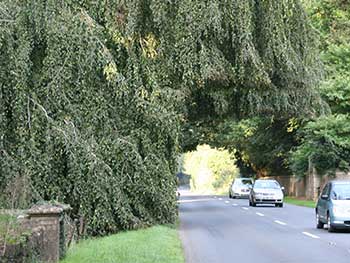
(333, 206)
(266, 192)
(240, 187)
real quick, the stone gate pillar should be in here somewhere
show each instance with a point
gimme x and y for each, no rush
(45, 223)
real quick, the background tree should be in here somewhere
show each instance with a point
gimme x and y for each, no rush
(261, 145)
(325, 141)
(212, 170)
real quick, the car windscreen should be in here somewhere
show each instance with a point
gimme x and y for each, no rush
(267, 184)
(341, 192)
(246, 182)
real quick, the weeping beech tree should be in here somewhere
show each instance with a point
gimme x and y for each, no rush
(93, 94)
(249, 57)
(85, 118)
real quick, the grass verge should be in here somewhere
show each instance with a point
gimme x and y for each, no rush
(300, 202)
(152, 245)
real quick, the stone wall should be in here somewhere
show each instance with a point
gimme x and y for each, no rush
(320, 181)
(310, 186)
(46, 242)
(293, 185)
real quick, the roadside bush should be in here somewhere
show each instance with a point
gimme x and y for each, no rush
(14, 241)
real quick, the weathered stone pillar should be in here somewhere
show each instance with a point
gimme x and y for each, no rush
(317, 184)
(45, 221)
(313, 183)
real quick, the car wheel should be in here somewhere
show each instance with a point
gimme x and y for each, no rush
(281, 204)
(319, 224)
(329, 225)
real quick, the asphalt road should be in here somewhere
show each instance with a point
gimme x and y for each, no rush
(219, 230)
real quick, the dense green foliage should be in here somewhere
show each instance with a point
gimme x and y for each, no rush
(325, 141)
(92, 91)
(332, 19)
(264, 73)
(246, 58)
(211, 170)
(249, 57)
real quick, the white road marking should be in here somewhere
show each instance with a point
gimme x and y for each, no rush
(234, 204)
(245, 208)
(260, 214)
(227, 202)
(193, 200)
(220, 199)
(280, 222)
(310, 235)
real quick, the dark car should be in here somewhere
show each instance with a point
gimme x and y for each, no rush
(333, 206)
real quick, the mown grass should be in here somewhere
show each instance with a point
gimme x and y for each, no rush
(156, 244)
(300, 202)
